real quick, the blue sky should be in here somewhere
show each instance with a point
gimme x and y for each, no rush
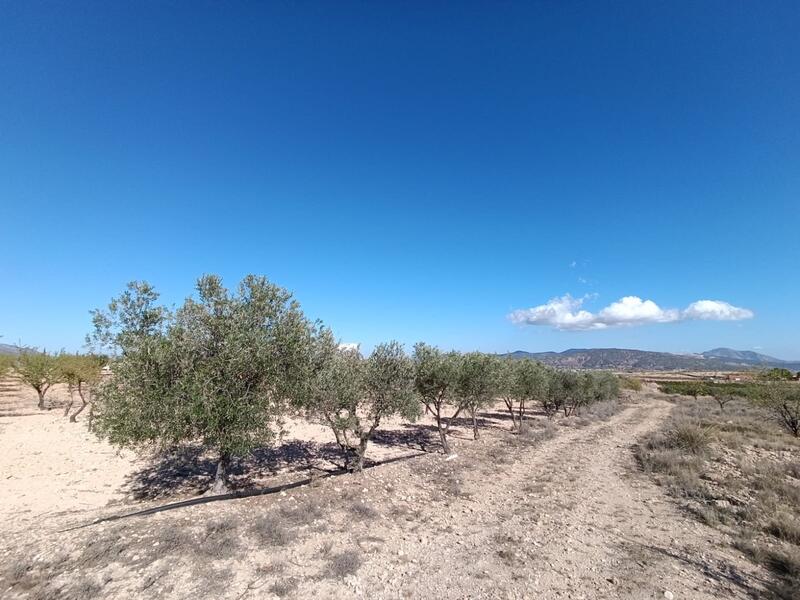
(410, 170)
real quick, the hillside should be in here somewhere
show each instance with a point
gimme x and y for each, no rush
(743, 356)
(720, 359)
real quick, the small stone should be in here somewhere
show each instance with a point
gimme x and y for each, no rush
(669, 595)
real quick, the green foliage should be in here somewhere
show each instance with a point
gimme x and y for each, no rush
(436, 377)
(221, 369)
(39, 370)
(80, 369)
(630, 383)
(570, 391)
(685, 388)
(81, 373)
(519, 383)
(478, 383)
(352, 395)
(710, 388)
(6, 364)
(782, 400)
(777, 374)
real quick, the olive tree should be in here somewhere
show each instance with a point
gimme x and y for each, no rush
(477, 384)
(782, 400)
(220, 370)
(723, 396)
(82, 374)
(39, 370)
(521, 382)
(602, 387)
(353, 395)
(436, 376)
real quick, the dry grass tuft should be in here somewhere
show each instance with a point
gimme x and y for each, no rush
(220, 538)
(284, 587)
(270, 530)
(343, 564)
(363, 510)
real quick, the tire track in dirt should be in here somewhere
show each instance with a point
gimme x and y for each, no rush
(572, 518)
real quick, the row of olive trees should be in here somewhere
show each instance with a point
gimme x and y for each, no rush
(42, 370)
(226, 368)
(455, 382)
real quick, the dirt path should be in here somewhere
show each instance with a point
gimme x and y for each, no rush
(573, 519)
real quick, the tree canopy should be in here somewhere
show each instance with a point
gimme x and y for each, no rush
(219, 370)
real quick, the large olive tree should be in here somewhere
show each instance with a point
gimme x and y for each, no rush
(436, 376)
(220, 370)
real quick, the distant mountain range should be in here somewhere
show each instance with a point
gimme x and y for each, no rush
(718, 359)
(8, 349)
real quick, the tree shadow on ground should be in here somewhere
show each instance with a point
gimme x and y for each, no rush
(413, 436)
(466, 422)
(190, 469)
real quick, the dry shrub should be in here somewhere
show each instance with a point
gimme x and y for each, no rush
(172, 538)
(630, 383)
(540, 432)
(284, 587)
(270, 530)
(784, 527)
(363, 510)
(103, 551)
(602, 411)
(305, 513)
(220, 538)
(690, 437)
(83, 588)
(343, 564)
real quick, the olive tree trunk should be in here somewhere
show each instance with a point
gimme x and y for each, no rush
(221, 483)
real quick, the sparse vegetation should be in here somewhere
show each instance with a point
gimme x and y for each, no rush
(705, 457)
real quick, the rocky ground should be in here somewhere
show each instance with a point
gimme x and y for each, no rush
(561, 512)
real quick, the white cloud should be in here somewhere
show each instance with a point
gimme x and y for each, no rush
(561, 313)
(632, 310)
(566, 313)
(716, 310)
(350, 346)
